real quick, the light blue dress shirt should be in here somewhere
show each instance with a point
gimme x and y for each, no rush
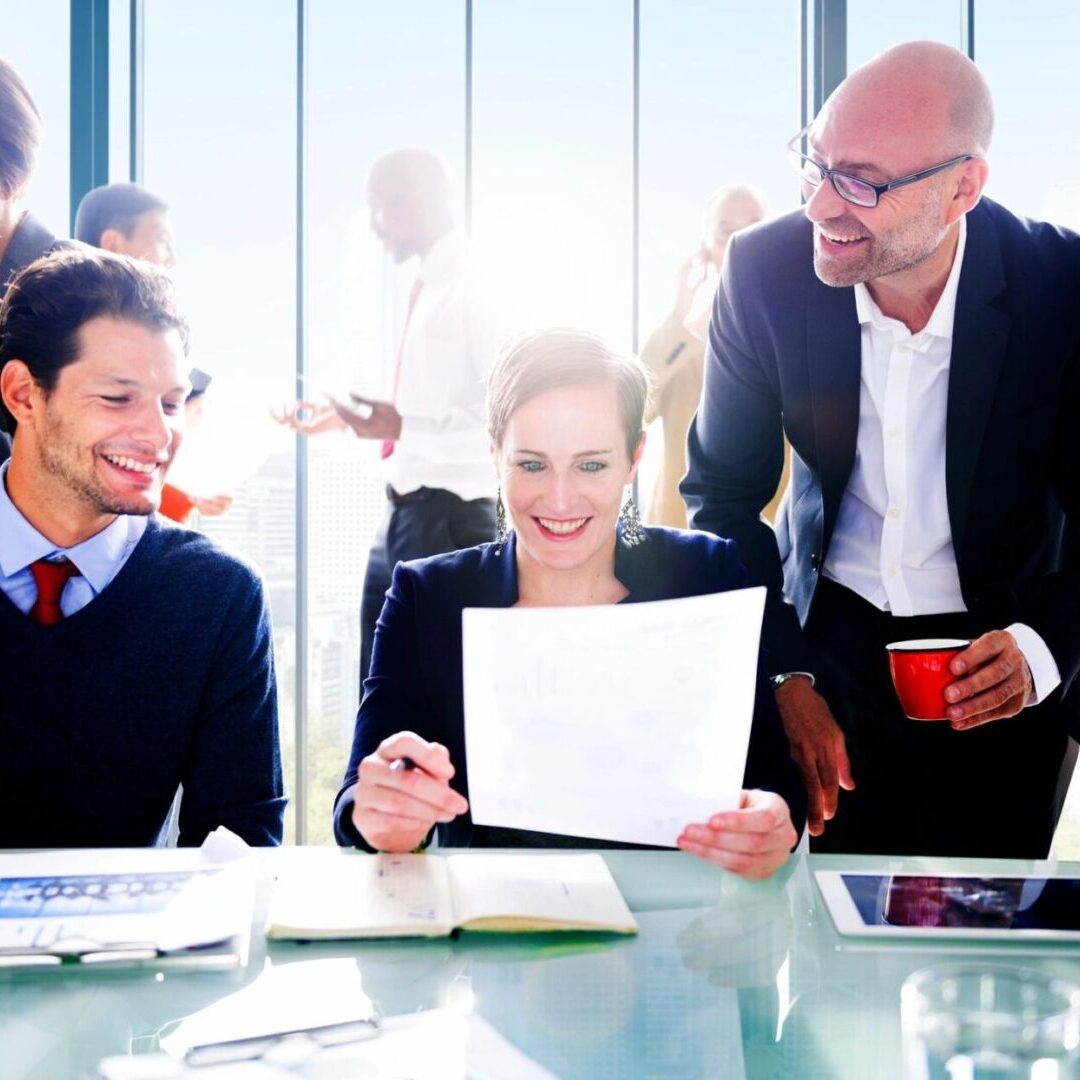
(99, 559)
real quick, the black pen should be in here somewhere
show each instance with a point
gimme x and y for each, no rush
(402, 764)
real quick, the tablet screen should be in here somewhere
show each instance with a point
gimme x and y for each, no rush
(965, 903)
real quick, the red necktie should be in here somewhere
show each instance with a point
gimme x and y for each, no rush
(389, 444)
(50, 578)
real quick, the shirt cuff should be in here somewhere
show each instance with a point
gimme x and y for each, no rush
(1045, 676)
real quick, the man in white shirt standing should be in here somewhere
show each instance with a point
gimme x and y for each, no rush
(432, 426)
(917, 344)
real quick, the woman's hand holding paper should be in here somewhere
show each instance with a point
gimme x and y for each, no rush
(753, 841)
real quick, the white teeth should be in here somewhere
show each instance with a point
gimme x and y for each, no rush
(562, 528)
(130, 463)
(841, 240)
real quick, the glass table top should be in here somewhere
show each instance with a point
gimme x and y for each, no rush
(726, 979)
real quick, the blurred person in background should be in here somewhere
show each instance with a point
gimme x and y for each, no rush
(431, 427)
(674, 352)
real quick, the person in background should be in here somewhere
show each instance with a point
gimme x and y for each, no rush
(22, 237)
(565, 421)
(143, 654)
(127, 219)
(430, 428)
(675, 351)
(917, 344)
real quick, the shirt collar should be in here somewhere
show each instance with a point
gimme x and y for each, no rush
(940, 323)
(444, 258)
(21, 544)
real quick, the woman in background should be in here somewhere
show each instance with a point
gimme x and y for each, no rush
(565, 417)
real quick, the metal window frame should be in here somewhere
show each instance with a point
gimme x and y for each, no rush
(89, 134)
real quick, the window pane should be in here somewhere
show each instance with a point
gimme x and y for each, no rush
(220, 148)
(1030, 64)
(36, 42)
(701, 131)
(378, 78)
(553, 156)
(873, 27)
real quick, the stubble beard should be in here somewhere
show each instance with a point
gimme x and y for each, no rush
(888, 253)
(82, 483)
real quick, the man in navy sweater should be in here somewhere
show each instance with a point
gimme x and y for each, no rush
(138, 656)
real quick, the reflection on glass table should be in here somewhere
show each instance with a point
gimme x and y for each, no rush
(726, 978)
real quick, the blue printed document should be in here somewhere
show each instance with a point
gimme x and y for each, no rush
(113, 905)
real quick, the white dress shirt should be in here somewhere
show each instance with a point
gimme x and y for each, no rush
(893, 540)
(99, 559)
(451, 340)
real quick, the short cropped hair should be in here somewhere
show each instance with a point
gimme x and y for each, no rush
(113, 206)
(49, 300)
(20, 132)
(548, 359)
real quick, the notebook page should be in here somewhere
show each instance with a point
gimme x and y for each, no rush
(346, 895)
(555, 890)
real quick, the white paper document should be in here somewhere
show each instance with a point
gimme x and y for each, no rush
(618, 722)
(126, 904)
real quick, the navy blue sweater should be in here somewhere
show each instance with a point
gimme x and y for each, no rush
(165, 678)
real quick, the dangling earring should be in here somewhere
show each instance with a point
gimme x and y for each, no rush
(502, 529)
(633, 532)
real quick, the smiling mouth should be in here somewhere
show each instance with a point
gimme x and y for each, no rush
(128, 464)
(840, 240)
(562, 528)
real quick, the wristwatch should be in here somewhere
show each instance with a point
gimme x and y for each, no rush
(779, 680)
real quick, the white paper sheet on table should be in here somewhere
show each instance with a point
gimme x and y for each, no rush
(619, 722)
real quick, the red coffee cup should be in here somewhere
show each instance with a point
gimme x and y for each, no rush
(920, 673)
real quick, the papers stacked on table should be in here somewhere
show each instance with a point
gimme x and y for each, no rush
(130, 905)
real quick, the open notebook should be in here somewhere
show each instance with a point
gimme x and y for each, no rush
(375, 896)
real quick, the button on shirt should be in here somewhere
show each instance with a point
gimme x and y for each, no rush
(99, 559)
(451, 340)
(893, 540)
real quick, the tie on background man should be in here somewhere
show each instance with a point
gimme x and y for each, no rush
(389, 444)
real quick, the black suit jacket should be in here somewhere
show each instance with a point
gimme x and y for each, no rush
(785, 356)
(415, 682)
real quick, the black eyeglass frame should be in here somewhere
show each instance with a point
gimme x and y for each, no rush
(878, 189)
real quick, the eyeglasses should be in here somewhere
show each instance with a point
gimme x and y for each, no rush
(854, 189)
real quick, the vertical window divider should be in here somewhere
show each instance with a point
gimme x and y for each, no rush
(136, 70)
(830, 48)
(300, 689)
(468, 115)
(89, 135)
(635, 257)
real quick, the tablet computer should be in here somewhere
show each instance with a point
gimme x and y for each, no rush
(879, 904)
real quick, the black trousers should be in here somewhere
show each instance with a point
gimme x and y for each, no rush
(428, 521)
(922, 788)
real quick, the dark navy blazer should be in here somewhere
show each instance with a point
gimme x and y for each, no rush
(415, 681)
(785, 356)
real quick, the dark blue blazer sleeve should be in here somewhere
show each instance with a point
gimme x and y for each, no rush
(769, 764)
(735, 456)
(397, 695)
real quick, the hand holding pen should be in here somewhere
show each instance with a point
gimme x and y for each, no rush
(403, 790)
